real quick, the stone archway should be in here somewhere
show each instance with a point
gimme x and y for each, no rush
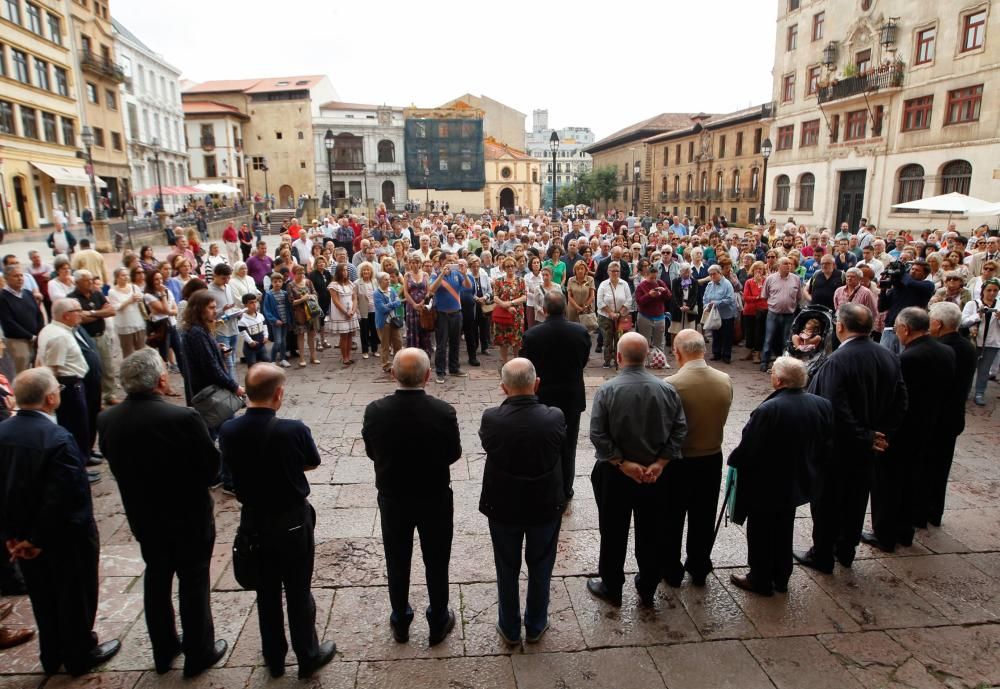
(388, 193)
(507, 200)
(286, 197)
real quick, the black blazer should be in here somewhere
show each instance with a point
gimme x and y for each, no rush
(924, 363)
(164, 462)
(601, 274)
(785, 445)
(44, 492)
(863, 381)
(522, 478)
(559, 349)
(413, 438)
(959, 385)
(677, 300)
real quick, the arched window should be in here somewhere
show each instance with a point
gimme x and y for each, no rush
(664, 184)
(755, 179)
(807, 186)
(690, 185)
(781, 192)
(956, 176)
(736, 183)
(677, 184)
(911, 184)
(719, 181)
(704, 182)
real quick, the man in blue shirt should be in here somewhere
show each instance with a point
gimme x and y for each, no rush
(445, 286)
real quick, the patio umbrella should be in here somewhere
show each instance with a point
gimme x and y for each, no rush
(949, 203)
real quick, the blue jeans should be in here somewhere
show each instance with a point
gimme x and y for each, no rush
(986, 357)
(540, 556)
(254, 355)
(776, 323)
(448, 335)
(279, 335)
(229, 341)
(890, 341)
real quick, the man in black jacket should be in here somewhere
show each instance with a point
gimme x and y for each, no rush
(48, 518)
(863, 382)
(522, 497)
(559, 351)
(900, 472)
(164, 488)
(773, 480)
(20, 318)
(413, 439)
(945, 318)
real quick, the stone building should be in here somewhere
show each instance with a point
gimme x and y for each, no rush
(39, 120)
(572, 159)
(366, 161)
(512, 179)
(154, 119)
(711, 167)
(278, 134)
(214, 133)
(502, 122)
(881, 102)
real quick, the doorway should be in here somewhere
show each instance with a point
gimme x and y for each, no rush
(388, 194)
(286, 196)
(21, 201)
(851, 198)
(506, 200)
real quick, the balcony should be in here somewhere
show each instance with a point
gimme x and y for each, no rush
(882, 77)
(715, 195)
(750, 194)
(96, 64)
(690, 195)
(664, 196)
(733, 194)
(344, 166)
(208, 141)
(675, 196)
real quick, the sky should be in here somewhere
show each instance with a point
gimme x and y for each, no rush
(603, 65)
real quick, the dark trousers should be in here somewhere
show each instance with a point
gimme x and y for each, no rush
(569, 450)
(484, 322)
(433, 521)
(692, 492)
(470, 328)
(838, 511)
(286, 556)
(447, 336)
(62, 585)
(753, 331)
(369, 334)
(72, 413)
(253, 355)
(189, 560)
(722, 340)
(540, 543)
(769, 547)
(938, 467)
(896, 478)
(618, 499)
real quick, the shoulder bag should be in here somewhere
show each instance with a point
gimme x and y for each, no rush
(216, 405)
(428, 315)
(247, 546)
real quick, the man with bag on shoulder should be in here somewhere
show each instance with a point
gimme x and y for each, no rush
(445, 287)
(268, 458)
(719, 301)
(164, 462)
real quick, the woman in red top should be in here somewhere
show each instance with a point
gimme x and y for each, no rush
(653, 299)
(754, 311)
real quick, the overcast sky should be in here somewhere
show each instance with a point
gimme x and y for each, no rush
(602, 65)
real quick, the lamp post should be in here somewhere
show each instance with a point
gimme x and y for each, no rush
(328, 142)
(87, 136)
(554, 146)
(156, 166)
(267, 195)
(635, 190)
(765, 152)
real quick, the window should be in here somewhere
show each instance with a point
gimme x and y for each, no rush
(690, 184)
(42, 74)
(956, 176)
(812, 80)
(719, 183)
(133, 122)
(625, 194)
(925, 46)
(834, 128)
(55, 28)
(49, 128)
(116, 141)
(677, 154)
(386, 151)
(793, 5)
(62, 81)
(788, 88)
(29, 123)
(6, 118)
(257, 162)
(863, 60)
(911, 184)
(68, 131)
(85, 43)
(34, 18)
(736, 182)
(857, 124)
(302, 135)
(677, 184)
(722, 146)
(20, 66)
(792, 38)
(210, 169)
(756, 140)
(754, 179)
(277, 135)
(98, 137)
(111, 99)
(818, 21)
(810, 133)
(807, 186)
(690, 152)
(785, 137)
(3, 61)
(91, 92)
(877, 118)
(12, 10)
(973, 30)
(781, 192)
(963, 105)
(739, 144)
(704, 182)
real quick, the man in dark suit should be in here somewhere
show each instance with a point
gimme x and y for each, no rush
(863, 382)
(522, 497)
(413, 439)
(784, 448)
(559, 350)
(48, 518)
(269, 457)
(164, 461)
(945, 318)
(900, 472)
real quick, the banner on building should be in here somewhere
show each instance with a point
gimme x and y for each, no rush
(445, 153)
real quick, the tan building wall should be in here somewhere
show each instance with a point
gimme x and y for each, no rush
(522, 177)
(282, 130)
(623, 159)
(502, 122)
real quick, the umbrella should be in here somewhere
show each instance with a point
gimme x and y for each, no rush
(949, 203)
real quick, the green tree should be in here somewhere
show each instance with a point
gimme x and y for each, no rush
(602, 184)
(569, 195)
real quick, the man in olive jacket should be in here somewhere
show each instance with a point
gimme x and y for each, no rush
(523, 496)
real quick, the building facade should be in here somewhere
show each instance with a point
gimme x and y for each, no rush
(501, 122)
(881, 102)
(154, 120)
(512, 179)
(711, 167)
(214, 135)
(572, 159)
(39, 120)
(366, 161)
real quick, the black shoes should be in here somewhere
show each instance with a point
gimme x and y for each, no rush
(400, 632)
(327, 650)
(196, 667)
(743, 582)
(438, 636)
(163, 665)
(869, 538)
(474, 362)
(807, 559)
(599, 590)
(99, 655)
(647, 599)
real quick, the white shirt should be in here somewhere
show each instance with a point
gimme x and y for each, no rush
(971, 317)
(613, 298)
(875, 265)
(531, 284)
(59, 350)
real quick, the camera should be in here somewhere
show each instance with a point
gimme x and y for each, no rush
(893, 274)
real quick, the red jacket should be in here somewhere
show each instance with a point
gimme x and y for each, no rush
(753, 298)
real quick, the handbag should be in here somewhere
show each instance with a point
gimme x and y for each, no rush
(503, 317)
(711, 320)
(656, 358)
(246, 558)
(428, 316)
(589, 321)
(396, 322)
(156, 332)
(313, 309)
(216, 405)
(624, 322)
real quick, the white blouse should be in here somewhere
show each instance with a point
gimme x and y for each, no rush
(613, 298)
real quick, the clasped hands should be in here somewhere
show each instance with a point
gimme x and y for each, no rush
(22, 550)
(643, 474)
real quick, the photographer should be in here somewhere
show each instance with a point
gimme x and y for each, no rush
(902, 285)
(980, 316)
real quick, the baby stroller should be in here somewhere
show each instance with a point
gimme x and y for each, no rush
(815, 357)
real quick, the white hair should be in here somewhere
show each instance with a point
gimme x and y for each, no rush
(790, 371)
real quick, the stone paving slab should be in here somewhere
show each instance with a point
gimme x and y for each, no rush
(800, 661)
(600, 669)
(713, 665)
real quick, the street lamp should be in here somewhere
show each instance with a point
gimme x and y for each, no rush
(765, 152)
(636, 167)
(87, 136)
(156, 162)
(328, 142)
(554, 146)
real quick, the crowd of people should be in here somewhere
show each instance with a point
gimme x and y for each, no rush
(891, 307)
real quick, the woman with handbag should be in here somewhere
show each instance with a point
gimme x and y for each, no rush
(343, 311)
(390, 326)
(415, 285)
(509, 297)
(305, 313)
(205, 364)
(652, 297)
(719, 298)
(683, 301)
(365, 287)
(580, 294)
(321, 279)
(130, 312)
(614, 302)
(161, 328)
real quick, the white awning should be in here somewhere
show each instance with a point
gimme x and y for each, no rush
(69, 176)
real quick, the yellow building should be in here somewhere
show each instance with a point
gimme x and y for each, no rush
(513, 179)
(501, 122)
(39, 167)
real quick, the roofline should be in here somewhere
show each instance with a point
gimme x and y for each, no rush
(638, 134)
(759, 113)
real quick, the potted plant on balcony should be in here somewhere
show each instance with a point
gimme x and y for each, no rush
(849, 71)
(896, 79)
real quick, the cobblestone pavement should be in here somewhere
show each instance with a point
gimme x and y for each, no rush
(927, 616)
